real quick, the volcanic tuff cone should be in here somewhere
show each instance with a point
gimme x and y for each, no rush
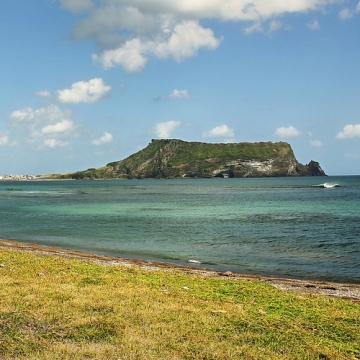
(174, 158)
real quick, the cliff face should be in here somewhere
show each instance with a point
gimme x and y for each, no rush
(181, 159)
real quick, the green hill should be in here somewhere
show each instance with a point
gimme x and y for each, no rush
(174, 158)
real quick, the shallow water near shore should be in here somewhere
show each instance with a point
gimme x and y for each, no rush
(289, 227)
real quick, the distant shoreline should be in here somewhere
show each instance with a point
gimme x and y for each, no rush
(338, 290)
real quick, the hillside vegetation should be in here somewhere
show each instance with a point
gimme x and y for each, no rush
(174, 158)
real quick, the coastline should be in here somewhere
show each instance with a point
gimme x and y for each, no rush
(326, 288)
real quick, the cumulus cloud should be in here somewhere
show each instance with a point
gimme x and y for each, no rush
(179, 94)
(316, 143)
(182, 42)
(313, 24)
(349, 131)
(54, 143)
(29, 118)
(60, 127)
(285, 132)
(43, 93)
(104, 139)
(84, 92)
(43, 124)
(4, 140)
(222, 131)
(164, 130)
(129, 32)
(77, 6)
(129, 56)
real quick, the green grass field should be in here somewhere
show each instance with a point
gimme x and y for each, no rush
(56, 308)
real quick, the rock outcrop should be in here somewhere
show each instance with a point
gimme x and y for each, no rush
(180, 159)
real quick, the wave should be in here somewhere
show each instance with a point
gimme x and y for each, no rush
(328, 185)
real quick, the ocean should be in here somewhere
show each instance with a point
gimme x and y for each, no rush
(305, 228)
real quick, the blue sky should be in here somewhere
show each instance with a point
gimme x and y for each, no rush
(87, 82)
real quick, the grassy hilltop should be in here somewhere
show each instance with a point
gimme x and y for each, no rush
(180, 159)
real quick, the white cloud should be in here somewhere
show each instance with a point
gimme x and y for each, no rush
(128, 32)
(183, 42)
(349, 131)
(84, 92)
(29, 118)
(4, 140)
(222, 131)
(346, 14)
(313, 24)
(53, 143)
(186, 39)
(104, 139)
(77, 6)
(60, 127)
(43, 93)
(44, 123)
(316, 143)
(128, 56)
(358, 7)
(179, 94)
(285, 132)
(164, 130)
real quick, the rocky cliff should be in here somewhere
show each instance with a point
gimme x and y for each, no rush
(180, 159)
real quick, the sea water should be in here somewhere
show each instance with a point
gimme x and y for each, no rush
(291, 227)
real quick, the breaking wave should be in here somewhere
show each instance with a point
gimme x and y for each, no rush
(328, 185)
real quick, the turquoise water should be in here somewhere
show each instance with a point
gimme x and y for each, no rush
(292, 227)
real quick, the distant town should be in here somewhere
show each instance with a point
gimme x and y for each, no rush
(20, 177)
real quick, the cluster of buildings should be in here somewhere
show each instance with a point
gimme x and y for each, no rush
(20, 177)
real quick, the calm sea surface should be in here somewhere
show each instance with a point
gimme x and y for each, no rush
(291, 227)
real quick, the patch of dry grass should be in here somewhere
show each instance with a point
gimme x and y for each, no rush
(55, 308)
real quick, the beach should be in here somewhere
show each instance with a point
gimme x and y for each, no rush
(326, 288)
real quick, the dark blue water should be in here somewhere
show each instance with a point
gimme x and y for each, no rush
(291, 227)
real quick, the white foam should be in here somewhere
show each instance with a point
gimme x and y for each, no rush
(330, 185)
(194, 261)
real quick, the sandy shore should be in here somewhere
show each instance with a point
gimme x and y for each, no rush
(341, 290)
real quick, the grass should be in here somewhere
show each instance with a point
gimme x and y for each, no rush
(55, 308)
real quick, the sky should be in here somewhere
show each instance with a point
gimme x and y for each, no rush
(88, 82)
